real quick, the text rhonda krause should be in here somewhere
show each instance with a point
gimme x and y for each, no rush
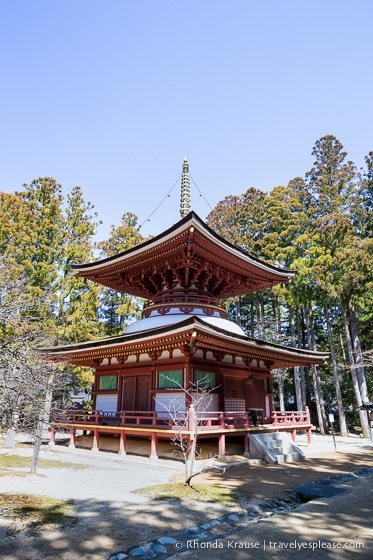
(222, 544)
(298, 545)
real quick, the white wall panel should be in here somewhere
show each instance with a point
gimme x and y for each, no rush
(108, 403)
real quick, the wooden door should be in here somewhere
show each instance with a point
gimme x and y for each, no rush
(129, 392)
(136, 392)
(256, 392)
(142, 392)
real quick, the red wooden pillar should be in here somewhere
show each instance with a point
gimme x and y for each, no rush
(72, 438)
(188, 381)
(122, 443)
(153, 446)
(294, 436)
(222, 445)
(120, 390)
(309, 435)
(95, 440)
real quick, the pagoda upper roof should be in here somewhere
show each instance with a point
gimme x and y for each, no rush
(190, 255)
(203, 334)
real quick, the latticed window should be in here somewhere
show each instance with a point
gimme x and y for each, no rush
(170, 379)
(204, 379)
(234, 395)
(108, 383)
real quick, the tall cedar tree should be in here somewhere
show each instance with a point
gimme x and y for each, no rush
(117, 308)
(321, 226)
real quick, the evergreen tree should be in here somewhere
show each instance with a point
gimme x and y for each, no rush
(78, 300)
(117, 308)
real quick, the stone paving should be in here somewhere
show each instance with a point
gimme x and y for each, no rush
(166, 547)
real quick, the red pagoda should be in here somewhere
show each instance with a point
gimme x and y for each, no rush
(183, 338)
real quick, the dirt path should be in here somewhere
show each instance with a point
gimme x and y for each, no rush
(112, 518)
(338, 528)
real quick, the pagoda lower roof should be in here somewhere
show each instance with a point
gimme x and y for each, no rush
(180, 335)
(189, 255)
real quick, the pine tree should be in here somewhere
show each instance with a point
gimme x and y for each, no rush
(78, 300)
(117, 308)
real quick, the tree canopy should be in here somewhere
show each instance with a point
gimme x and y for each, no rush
(320, 225)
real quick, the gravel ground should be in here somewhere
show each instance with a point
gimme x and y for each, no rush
(111, 517)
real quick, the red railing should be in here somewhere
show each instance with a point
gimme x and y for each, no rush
(292, 417)
(164, 421)
(105, 418)
(150, 419)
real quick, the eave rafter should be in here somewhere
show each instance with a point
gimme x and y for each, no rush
(186, 269)
(273, 358)
(168, 278)
(190, 257)
(93, 356)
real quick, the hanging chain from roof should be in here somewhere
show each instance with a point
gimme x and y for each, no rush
(200, 193)
(185, 190)
(185, 205)
(168, 195)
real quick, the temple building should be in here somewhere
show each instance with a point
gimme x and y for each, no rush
(184, 341)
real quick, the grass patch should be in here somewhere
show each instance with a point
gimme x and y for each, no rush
(20, 462)
(36, 513)
(199, 492)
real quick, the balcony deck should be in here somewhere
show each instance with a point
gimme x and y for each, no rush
(160, 425)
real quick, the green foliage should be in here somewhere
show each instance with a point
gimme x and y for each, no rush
(240, 220)
(44, 238)
(117, 308)
(322, 227)
(78, 301)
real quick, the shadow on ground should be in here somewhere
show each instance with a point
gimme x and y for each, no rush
(108, 526)
(274, 481)
(101, 528)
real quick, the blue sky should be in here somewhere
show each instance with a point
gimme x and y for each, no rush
(112, 95)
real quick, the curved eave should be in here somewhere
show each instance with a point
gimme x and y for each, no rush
(170, 337)
(210, 245)
(275, 355)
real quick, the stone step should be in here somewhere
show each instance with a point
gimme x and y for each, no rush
(273, 444)
(288, 457)
(274, 448)
(273, 435)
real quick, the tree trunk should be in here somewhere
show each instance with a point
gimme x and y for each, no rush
(9, 439)
(281, 393)
(239, 318)
(252, 317)
(43, 422)
(362, 413)
(338, 392)
(320, 408)
(304, 377)
(301, 405)
(358, 355)
(260, 315)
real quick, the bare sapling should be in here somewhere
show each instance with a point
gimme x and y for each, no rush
(187, 415)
